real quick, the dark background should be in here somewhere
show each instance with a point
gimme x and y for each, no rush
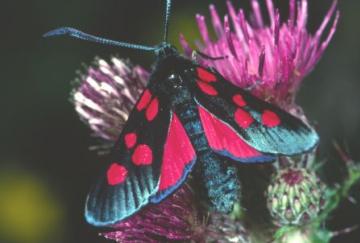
(45, 165)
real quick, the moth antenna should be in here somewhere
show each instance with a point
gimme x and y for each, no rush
(167, 20)
(77, 34)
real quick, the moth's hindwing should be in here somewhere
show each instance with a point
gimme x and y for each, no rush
(178, 160)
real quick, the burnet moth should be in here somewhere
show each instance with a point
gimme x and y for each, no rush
(187, 115)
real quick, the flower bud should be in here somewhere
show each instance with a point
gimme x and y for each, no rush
(294, 196)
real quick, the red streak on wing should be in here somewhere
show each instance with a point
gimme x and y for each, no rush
(207, 88)
(142, 155)
(270, 119)
(222, 138)
(152, 109)
(178, 152)
(116, 174)
(144, 100)
(205, 75)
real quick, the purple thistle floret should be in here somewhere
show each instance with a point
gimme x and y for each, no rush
(271, 58)
(174, 219)
(106, 95)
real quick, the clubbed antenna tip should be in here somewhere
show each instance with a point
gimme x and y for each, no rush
(59, 31)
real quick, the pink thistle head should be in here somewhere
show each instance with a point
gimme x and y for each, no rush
(174, 219)
(275, 56)
(106, 94)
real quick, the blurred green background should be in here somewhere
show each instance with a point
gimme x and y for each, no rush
(45, 166)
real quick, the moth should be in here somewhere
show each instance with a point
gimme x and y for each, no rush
(188, 115)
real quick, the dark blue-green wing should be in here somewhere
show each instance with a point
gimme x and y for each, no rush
(261, 125)
(133, 173)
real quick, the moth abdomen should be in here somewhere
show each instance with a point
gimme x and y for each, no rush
(220, 181)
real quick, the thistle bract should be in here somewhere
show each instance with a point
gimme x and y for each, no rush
(295, 196)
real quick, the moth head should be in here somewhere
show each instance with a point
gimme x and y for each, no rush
(166, 50)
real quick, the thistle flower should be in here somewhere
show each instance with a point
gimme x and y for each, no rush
(106, 95)
(174, 219)
(295, 196)
(271, 59)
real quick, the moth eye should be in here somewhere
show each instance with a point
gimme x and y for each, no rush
(172, 76)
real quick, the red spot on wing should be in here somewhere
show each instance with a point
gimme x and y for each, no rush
(270, 119)
(142, 155)
(205, 75)
(207, 88)
(152, 110)
(130, 140)
(116, 174)
(144, 100)
(222, 138)
(243, 118)
(239, 100)
(178, 152)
